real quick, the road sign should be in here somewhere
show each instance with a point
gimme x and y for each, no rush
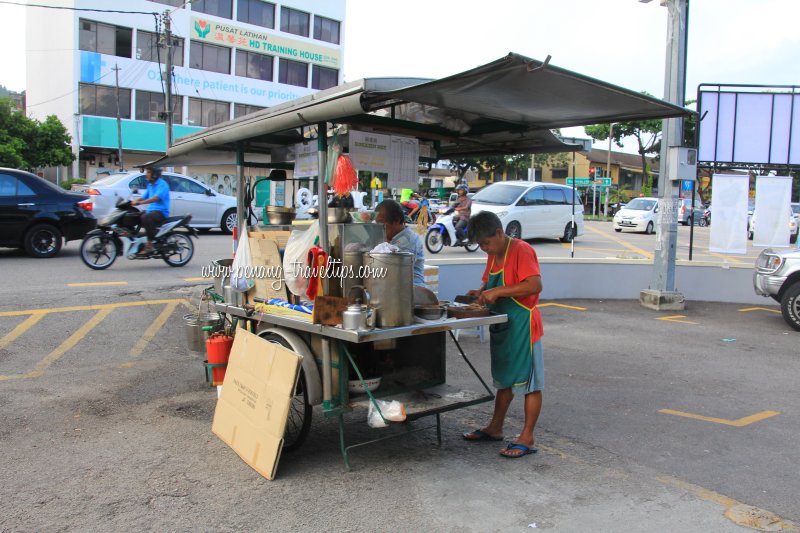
(587, 182)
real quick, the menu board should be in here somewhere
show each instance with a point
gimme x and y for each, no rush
(306, 160)
(395, 155)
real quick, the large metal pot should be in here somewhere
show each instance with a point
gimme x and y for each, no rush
(339, 215)
(279, 216)
(392, 294)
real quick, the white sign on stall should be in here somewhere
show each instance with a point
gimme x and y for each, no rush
(405, 162)
(773, 206)
(395, 155)
(729, 197)
(306, 160)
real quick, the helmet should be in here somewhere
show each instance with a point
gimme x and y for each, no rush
(156, 172)
(462, 187)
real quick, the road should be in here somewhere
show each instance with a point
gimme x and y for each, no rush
(106, 421)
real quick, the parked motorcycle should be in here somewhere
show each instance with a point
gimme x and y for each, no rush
(443, 233)
(118, 234)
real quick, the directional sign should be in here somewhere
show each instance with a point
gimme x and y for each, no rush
(587, 182)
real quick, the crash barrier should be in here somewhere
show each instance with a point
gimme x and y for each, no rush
(620, 279)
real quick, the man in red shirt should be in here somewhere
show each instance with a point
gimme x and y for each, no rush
(511, 285)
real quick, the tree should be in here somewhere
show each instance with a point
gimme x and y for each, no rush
(462, 165)
(29, 144)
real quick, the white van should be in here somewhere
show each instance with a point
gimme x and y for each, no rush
(531, 210)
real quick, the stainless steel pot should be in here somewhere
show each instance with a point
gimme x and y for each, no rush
(339, 215)
(279, 216)
(392, 291)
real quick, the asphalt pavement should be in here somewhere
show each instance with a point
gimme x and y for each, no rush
(649, 422)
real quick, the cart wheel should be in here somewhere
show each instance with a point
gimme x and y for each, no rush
(299, 421)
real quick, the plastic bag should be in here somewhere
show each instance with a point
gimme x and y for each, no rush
(242, 267)
(295, 256)
(393, 411)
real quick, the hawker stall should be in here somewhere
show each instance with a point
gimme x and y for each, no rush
(369, 337)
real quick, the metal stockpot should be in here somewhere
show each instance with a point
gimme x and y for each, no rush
(392, 292)
(351, 261)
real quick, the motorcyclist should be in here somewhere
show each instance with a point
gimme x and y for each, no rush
(156, 198)
(463, 209)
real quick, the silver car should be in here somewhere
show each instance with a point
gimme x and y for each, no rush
(209, 209)
(777, 275)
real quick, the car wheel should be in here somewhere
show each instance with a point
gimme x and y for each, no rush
(434, 241)
(43, 240)
(472, 247)
(514, 230)
(228, 222)
(649, 229)
(790, 306)
(618, 230)
(793, 239)
(569, 233)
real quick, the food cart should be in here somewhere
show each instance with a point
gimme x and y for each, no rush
(508, 106)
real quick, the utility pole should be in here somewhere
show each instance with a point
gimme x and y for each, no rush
(661, 295)
(168, 74)
(116, 70)
(608, 167)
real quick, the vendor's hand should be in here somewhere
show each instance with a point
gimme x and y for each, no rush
(135, 202)
(489, 296)
(474, 293)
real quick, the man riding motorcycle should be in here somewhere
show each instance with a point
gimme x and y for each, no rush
(463, 209)
(156, 198)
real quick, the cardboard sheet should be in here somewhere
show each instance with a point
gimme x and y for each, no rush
(253, 408)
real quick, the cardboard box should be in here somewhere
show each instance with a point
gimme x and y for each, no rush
(253, 407)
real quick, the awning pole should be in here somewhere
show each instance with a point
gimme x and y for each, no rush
(322, 194)
(241, 194)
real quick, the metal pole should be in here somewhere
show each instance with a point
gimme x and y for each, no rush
(608, 167)
(662, 294)
(241, 194)
(691, 223)
(572, 242)
(116, 70)
(322, 194)
(168, 80)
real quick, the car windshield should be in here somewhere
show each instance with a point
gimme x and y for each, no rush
(498, 194)
(796, 209)
(640, 204)
(109, 180)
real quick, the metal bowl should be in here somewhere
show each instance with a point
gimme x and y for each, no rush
(339, 215)
(429, 312)
(279, 216)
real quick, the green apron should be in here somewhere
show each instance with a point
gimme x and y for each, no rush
(510, 343)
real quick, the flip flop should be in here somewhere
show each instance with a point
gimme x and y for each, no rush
(525, 451)
(480, 435)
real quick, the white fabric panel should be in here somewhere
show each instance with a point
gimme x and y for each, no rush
(772, 211)
(781, 118)
(708, 126)
(794, 156)
(726, 126)
(729, 213)
(753, 124)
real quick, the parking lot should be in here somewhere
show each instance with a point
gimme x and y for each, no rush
(671, 423)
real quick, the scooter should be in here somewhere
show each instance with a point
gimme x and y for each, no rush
(705, 220)
(118, 234)
(443, 233)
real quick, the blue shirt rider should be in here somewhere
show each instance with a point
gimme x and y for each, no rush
(156, 198)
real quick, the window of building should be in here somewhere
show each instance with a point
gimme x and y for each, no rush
(240, 110)
(147, 48)
(105, 39)
(253, 65)
(101, 101)
(219, 8)
(149, 106)
(256, 12)
(207, 112)
(560, 173)
(173, 3)
(324, 78)
(294, 21)
(326, 29)
(293, 72)
(210, 57)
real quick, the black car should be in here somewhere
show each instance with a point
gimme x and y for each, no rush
(38, 215)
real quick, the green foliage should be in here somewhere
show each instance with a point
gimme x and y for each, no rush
(462, 165)
(67, 184)
(29, 144)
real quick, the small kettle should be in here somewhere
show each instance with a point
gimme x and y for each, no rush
(358, 317)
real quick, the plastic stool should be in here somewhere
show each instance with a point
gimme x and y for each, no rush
(478, 331)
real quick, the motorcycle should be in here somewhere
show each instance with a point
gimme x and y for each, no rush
(118, 234)
(705, 220)
(443, 233)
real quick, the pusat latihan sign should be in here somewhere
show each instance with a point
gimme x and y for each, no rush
(265, 43)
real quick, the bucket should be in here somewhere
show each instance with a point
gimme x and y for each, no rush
(218, 346)
(194, 324)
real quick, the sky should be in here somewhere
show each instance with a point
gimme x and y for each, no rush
(618, 41)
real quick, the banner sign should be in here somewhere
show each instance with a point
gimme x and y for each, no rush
(306, 160)
(774, 209)
(223, 33)
(729, 196)
(395, 155)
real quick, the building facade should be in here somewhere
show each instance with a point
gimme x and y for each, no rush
(230, 58)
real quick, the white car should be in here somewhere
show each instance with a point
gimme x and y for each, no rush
(531, 210)
(209, 209)
(638, 215)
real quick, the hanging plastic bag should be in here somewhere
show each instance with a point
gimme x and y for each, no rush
(393, 411)
(242, 268)
(294, 258)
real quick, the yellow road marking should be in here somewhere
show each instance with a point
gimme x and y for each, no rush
(746, 421)
(154, 328)
(725, 257)
(65, 346)
(97, 307)
(92, 284)
(748, 309)
(676, 318)
(553, 304)
(19, 330)
(629, 246)
(195, 279)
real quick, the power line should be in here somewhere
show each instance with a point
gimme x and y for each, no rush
(80, 8)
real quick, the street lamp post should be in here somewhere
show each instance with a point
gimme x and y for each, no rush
(608, 166)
